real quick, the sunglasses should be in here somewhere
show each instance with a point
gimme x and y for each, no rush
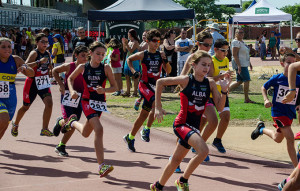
(155, 41)
(297, 39)
(205, 44)
(44, 42)
(223, 50)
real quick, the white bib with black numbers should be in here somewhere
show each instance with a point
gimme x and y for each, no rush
(282, 91)
(4, 89)
(68, 101)
(42, 82)
(98, 105)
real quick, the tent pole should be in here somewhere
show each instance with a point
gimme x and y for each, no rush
(88, 28)
(291, 34)
(99, 31)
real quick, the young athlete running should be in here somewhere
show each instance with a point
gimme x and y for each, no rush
(195, 93)
(39, 61)
(151, 68)
(10, 65)
(93, 101)
(69, 106)
(283, 113)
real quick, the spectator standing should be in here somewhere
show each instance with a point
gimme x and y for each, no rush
(263, 48)
(183, 47)
(169, 49)
(144, 44)
(278, 36)
(18, 41)
(273, 42)
(214, 31)
(82, 39)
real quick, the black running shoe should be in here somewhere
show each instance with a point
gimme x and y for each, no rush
(256, 131)
(57, 127)
(217, 143)
(61, 150)
(129, 142)
(145, 134)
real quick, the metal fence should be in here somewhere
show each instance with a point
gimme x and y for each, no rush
(26, 19)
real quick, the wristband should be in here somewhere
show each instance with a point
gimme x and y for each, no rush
(292, 90)
(52, 56)
(25, 66)
(136, 75)
(38, 62)
(224, 93)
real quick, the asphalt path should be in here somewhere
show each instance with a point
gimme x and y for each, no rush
(28, 162)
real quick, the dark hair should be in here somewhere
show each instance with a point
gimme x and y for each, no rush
(114, 43)
(220, 42)
(79, 49)
(133, 33)
(47, 30)
(168, 34)
(202, 36)
(283, 57)
(95, 45)
(57, 30)
(39, 36)
(107, 40)
(152, 33)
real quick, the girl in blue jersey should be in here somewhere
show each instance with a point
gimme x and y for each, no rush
(10, 65)
(194, 96)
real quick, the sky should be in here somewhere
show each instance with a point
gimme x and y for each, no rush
(276, 3)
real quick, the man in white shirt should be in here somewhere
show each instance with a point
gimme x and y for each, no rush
(182, 47)
(214, 28)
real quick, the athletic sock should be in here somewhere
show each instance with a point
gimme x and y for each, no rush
(261, 130)
(60, 144)
(131, 137)
(159, 186)
(60, 122)
(71, 125)
(146, 127)
(183, 180)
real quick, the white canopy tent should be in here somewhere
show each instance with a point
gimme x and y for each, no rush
(262, 12)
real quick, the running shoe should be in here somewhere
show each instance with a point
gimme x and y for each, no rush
(117, 93)
(178, 170)
(217, 143)
(297, 136)
(14, 129)
(281, 185)
(57, 127)
(255, 134)
(145, 134)
(137, 104)
(207, 159)
(61, 150)
(105, 170)
(153, 187)
(129, 142)
(181, 186)
(194, 151)
(46, 132)
(67, 125)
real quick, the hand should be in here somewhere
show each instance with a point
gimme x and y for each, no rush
(22, 68)
(159, 114)
(289, 97)
(74, 95)
(44, 60)
(124, 41)
(100, 90)
(251, 67)
(62, 89)
(227, 74)
(239, 69)
(136, 75)
(268, 104)
(224, 83)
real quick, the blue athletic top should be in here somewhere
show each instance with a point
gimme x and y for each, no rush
(281, 87)
(8, 70)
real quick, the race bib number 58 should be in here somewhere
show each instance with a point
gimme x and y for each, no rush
(282, 91)
(42, 82)
(4, 89)
(98, 105)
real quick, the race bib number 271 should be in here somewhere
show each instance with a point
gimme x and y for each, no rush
(68, 101)
(42, 82)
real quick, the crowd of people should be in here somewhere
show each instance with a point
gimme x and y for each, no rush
(200, 72)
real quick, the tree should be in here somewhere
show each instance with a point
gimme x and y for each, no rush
(205, 9)
(294, 10)
(246, 5)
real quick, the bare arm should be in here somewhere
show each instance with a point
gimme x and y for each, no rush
(219, 99)
(115, 57)
(267, 102)
(134, 57)
(132, 46)
(22, 67)
(111, 78)
(56, 71)
(167, 45)
(72, 77)
(292, 73)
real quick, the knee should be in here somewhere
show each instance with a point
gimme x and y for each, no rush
(204, 150)
(4, 121)
(213, 122)
(98, 131)
(25, 108)
(86, 134)
(49, 103)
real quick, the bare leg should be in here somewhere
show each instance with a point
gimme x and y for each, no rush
(21, 113)
(151, 117)
(47, 111)
(224, 121)
(212, 119)
(234, 85)
(290, 143)
(118, 78)
(128, 84)
(294, 183)
(135, 85)
(85, 130)
(273, 134)
(4, 121)
(139, 122)
(246, 90)
(67, 136)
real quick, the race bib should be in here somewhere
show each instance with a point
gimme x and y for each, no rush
(23, 47)
(282, 91)
(4, 89)
(98, 105)
(42, 82)
(68, 101)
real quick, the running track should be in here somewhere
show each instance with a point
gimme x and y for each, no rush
(29, 162)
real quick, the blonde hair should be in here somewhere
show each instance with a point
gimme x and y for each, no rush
(196, 57)
(2, 39)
